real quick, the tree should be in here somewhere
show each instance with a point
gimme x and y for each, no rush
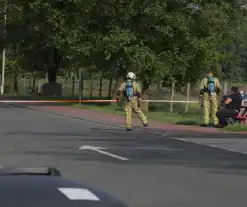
(159, 39)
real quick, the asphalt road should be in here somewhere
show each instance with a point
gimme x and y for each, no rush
(158, 171)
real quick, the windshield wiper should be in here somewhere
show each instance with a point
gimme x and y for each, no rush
(48, 171)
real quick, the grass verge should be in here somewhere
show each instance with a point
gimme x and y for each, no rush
(173, 118)
(237, 127)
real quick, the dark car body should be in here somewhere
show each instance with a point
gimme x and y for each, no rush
(37, 190)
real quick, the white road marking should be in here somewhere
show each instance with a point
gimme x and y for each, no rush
(78, 194)
(146, 148)
(100, 150)
(232, 150)
(211, 145)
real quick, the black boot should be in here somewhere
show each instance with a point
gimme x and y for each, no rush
(220, 126)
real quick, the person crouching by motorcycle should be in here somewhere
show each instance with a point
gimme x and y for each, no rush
(230, 107)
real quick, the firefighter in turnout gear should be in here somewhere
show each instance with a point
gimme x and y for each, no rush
(132, 95)
(209, 90)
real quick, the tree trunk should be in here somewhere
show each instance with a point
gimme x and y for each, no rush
(16, 86)
(52, 74)
(110, 88)
(119, 80)
(53, 65)
(34, 86)
(100, 86)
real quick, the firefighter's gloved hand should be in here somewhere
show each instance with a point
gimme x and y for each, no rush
(217, 90)
(118, 100)
(139, 104)
(202, 92)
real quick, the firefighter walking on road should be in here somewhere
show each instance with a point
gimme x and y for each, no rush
(132, 94)
(209, 90)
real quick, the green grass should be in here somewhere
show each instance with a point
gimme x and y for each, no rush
(237, 127)
(174, 118)
(161, 116)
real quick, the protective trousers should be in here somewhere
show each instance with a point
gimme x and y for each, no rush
(224, 113)
(132, 105)
(210, 101)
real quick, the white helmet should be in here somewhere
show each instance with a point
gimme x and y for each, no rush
(131, 75)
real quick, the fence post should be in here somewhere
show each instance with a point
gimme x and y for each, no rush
(187, 99)
(80, 86)
(34, 85)
(91, 89)
(100, 86)
(225, 87)
(24, 86)
(172, 96)
(73, 86)
(66, 82)
(158, 91)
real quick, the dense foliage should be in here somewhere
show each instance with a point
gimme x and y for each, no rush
(158, 39)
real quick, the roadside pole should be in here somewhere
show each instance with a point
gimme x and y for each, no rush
(80, 85)
(3, 52)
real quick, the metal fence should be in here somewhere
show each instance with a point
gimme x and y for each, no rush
(104, 88)
(93, 88)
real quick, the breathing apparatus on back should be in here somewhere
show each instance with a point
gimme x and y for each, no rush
(211, 84)
(129, 90)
